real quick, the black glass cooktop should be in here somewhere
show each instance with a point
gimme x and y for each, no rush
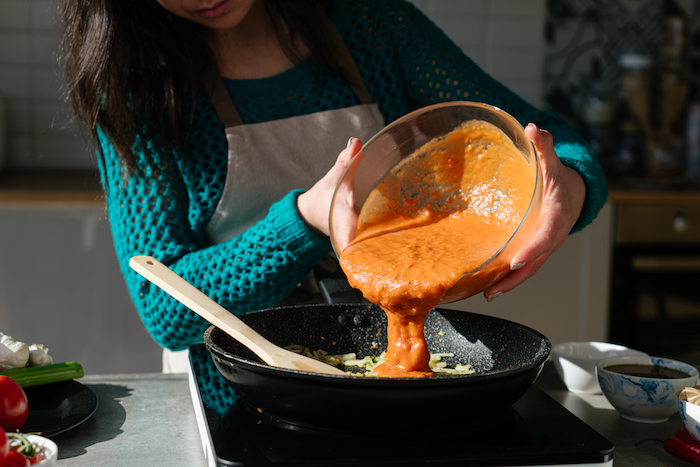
(535, 431)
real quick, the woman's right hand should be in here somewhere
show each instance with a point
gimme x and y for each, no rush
(563, 197)
(314, 205)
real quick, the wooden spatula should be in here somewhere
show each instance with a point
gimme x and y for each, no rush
(195, 300)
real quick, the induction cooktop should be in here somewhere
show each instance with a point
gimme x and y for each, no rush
(536, 431)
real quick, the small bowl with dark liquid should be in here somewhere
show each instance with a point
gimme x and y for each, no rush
(643, 389)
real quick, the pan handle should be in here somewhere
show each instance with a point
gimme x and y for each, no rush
(337, 291)
(333, 284)
(187, 294)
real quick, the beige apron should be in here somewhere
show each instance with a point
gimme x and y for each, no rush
(268, 160)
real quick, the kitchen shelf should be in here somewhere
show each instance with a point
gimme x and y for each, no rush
(55, 188)
(650, 196)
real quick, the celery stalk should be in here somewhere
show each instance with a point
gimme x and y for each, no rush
(47, 374)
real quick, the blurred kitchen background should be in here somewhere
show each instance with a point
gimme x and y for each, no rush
(624, 73)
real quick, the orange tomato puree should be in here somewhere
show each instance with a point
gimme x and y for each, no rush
(441, 213)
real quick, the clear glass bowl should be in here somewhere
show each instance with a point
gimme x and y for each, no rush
(400, 140)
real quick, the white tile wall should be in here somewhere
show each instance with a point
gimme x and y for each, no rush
(502, 36)
(39, 130)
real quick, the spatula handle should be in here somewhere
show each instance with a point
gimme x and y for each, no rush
(184, 292)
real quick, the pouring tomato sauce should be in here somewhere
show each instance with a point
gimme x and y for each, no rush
(440, 214)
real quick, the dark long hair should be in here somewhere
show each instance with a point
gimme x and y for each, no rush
(131, 66)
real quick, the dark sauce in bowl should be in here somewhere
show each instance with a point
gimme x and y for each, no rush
(648, 371)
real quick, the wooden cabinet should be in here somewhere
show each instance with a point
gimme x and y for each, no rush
(648, 223)
(655, 301)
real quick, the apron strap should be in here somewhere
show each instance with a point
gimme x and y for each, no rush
(346, 62)
(226, 110)
(222, 102)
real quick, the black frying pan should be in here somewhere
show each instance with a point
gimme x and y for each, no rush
(507, 357)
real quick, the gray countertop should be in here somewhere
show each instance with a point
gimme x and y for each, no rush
(148, 419)
(636, 444)
(144, 419)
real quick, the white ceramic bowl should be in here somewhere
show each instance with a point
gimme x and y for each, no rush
(575, 363)
(690, 414)
(644, 399)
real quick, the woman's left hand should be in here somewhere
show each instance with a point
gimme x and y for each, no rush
(563, 196)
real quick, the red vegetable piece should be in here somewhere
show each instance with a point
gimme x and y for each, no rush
(682, 434)
(14, 459)
(4, 444)
(36, 459)
(682, 450)
(14, 406)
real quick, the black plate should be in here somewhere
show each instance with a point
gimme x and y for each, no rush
(58, 407)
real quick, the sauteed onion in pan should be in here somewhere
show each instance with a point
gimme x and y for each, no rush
(365, 366)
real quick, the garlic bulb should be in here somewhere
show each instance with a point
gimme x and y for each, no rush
(13, 354)
(39, 355)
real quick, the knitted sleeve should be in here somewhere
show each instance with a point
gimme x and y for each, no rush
(406, 58)
(148, 216)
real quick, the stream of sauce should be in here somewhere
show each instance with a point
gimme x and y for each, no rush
(418, 234)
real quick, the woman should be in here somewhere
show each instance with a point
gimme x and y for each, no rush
(213, 120)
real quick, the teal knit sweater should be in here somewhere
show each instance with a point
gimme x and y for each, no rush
(406, 62)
